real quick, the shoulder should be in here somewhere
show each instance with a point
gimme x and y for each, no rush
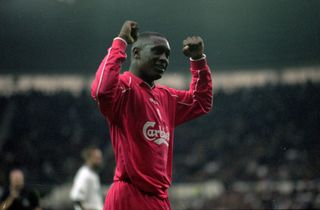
(83, 169)
(83, 172)
(125, 79)
(83, 176)
(87, 172)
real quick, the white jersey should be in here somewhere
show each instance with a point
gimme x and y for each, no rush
(87, 189)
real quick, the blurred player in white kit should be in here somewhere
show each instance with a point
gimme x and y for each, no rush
(86, 190)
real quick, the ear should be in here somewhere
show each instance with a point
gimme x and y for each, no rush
(136, 52)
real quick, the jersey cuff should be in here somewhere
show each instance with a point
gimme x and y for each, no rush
(203, 57)
(198, 63)
(119, 42)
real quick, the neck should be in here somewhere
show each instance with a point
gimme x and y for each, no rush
(134, 70)
(92, 167)
(89, 165)
(16, 188)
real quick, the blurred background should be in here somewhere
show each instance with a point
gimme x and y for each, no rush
(259, 147)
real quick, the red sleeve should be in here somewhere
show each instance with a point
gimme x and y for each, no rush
(198, 99)
(106, 88)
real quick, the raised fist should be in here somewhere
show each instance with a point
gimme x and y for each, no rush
(193, 47)
(129, 31)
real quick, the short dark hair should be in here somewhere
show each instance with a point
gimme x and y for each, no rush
(148, 34)
(144, 36)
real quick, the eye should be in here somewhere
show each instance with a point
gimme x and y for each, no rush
(161, 50)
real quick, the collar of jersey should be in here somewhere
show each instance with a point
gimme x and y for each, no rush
(139, 80)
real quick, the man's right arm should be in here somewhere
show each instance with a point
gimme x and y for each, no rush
(105, 87)
(7, 199)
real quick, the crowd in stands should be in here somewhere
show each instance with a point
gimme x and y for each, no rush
(252, 134)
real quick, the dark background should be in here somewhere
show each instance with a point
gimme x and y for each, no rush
(266, 135)
(71, 36)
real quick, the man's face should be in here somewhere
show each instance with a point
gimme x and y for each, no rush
(96, 159)
(16, 179)
(154, 58)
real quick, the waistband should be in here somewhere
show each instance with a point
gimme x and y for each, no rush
(125, 179)
(128, 181)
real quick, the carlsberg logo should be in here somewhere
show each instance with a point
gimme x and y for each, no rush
(158, 136)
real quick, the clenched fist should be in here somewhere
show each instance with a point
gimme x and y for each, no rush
(129, 31)
(193, 47)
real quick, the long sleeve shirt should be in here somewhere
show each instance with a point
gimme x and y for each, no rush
(142, 118)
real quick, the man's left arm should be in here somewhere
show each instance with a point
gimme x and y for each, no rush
(198, 99)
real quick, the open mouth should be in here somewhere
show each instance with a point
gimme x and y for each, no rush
(160, 67)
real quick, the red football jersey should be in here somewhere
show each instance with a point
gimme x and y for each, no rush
(142, 118)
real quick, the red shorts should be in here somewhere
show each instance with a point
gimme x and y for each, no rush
(124, 196)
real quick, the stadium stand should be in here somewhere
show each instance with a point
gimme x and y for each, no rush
(254, 139)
